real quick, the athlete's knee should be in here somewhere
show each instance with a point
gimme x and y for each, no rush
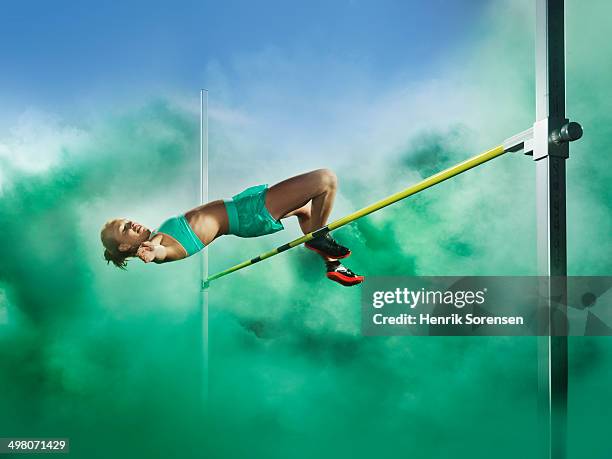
(305, 211)
(328, 178)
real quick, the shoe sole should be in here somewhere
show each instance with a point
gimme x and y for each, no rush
(344, 280)
(323, 254)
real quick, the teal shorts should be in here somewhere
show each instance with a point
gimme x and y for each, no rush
(248, 215)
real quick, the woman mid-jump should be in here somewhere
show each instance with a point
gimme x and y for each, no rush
(254, 212)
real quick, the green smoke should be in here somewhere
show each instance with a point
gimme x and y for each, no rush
(88, 353)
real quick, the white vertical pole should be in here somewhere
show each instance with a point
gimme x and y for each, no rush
(204, 253)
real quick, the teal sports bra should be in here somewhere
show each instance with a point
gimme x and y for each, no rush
(179, 229)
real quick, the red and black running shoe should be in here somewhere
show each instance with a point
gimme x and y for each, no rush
(342, 275)
(326, 246)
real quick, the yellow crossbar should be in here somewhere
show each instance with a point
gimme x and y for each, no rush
(414, 189)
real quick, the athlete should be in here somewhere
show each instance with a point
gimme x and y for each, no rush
(254, 212)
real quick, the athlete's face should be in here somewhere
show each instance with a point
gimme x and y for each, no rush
(127, 233)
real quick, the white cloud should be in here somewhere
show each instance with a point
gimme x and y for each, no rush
(37, 141)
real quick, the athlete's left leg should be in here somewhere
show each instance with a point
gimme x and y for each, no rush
(292, 197)
(303, 215)
(310, 197)
(319, 189)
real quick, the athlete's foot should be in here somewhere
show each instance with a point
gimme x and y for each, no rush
(342, 275)
(328, 248)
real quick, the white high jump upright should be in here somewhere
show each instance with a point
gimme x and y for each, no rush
(204, 253)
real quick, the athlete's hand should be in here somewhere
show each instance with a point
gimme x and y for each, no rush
(147, 251)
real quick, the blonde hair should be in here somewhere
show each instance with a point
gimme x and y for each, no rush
(117, 258)
(111, 250)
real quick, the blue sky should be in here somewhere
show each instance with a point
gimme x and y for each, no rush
(59, 55)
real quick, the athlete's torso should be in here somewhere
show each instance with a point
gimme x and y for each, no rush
(195, 229)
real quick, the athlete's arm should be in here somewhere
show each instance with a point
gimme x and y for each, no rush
(153, 250)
